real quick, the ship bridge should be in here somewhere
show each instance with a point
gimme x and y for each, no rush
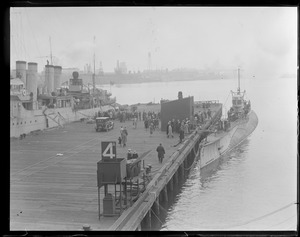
(238, 100)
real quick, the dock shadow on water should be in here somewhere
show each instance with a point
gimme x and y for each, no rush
(165, 206)
(202, 177)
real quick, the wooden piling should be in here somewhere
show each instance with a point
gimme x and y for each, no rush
(175, 177)
(170, 184)
(165, 194)
(156, 207)
(182, 172)
(148, 220)
(139, 228)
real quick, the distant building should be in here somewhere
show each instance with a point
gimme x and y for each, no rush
(121, 68)
(69, 70)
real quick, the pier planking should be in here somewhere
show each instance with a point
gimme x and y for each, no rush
(50, 192)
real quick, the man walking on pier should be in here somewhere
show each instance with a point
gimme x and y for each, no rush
(160, 152)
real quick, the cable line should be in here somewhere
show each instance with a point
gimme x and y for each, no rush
(283, 221)
(264, 216)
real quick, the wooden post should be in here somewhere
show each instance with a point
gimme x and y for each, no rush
(175, 178)
(99, 213)
(182, 172)
(171, 184)
(165, 193)
(185, 165)
(160, 197)
(139, 228)
(156, 207)
(147, 220)
(121, 205)
(194, 152)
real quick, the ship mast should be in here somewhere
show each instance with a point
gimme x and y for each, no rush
(50, 50)
(94, 68)
(238, 90)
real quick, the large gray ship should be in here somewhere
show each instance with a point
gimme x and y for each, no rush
(34, 108)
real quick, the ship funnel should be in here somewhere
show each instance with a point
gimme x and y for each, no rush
(21, 71)
(180, 95)
(31, 80)
(49, 78)
(57, 76)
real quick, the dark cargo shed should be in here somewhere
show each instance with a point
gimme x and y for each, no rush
(176, 109)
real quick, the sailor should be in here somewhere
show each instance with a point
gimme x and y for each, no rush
(160, 152)
(129, 154)
(124, 136)
(186, 127)
(151, 128)
(134, 155)
(135, 122)
(170, 129)
(181, 135)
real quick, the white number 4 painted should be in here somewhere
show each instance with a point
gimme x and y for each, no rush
(108, 152)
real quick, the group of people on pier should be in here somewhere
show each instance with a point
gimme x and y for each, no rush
(182, 128)
(151, 121)
(201, 117)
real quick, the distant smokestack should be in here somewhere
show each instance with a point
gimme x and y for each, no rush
(32, 79)
(49, 78)
(149, 62)
(21, 71)
(57, 76)
(180, 95)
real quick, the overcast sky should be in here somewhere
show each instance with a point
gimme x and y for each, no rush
(256, 39)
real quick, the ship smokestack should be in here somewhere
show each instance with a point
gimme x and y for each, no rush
(21, 71)
(31, 79)
(57, 76)
(49, 78)
(180, 95)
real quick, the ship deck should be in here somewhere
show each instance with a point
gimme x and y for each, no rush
(53, 174)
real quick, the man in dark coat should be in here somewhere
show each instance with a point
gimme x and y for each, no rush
(181, 135)
(160, 152)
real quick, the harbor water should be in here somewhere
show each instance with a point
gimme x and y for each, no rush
(255, 186)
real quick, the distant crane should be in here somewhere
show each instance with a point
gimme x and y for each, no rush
(94, 68)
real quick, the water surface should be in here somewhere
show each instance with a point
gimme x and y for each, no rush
(255, 186)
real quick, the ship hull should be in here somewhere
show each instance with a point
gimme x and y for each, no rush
(226, 141)
(27, 121)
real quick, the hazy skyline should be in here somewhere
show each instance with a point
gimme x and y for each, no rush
(258, 39)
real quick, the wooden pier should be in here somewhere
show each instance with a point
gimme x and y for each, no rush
(54, 176)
